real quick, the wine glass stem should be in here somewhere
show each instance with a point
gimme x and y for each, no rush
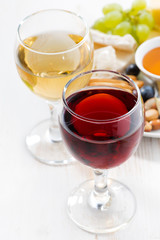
(100, 196)
(54, 131)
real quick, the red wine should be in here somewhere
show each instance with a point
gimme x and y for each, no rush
(98, 135)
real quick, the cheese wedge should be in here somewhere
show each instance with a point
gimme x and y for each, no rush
(112, 59)
(125, 43)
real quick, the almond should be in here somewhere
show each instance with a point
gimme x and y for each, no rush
(155, 124)
(151, 114)
(158, 104)
(148, 126)
(150, 104)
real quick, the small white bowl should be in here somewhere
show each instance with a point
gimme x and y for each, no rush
(141, 51)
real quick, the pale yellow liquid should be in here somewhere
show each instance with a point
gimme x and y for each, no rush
(46, 74)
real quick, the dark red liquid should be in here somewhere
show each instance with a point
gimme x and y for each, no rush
(102, 144)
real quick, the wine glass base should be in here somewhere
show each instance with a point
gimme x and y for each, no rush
(44, 149)
(118, 212)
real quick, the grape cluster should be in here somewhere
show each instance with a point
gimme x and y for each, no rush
(136, 21)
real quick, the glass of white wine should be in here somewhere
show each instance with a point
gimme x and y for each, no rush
(52, 47)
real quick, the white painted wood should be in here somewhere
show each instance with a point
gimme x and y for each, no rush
(33, 196)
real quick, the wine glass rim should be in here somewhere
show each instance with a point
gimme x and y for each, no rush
(93, 87)
(53, 53)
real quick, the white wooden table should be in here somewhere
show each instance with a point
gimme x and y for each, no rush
(32, 195)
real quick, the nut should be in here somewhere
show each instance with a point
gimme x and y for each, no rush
(155, 124)
(158, 104)
(150, 104)
(147, 127)
(151, 114)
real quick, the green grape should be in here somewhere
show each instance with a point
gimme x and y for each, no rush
(126, 14)
(112, 19)
(122, 28)
(99, 25)
(146, 18)
(136, 21)
(133, 32)
(142, 32)
(111, 7)
(138, 5)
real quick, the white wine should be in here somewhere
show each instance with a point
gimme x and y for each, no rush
(46, 62)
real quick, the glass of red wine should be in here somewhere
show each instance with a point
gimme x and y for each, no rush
(102, 125)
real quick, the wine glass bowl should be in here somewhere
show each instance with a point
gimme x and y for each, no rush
(102, 125)
(91, 126)
(52, 47)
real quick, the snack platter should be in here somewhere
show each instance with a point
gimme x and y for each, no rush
(153, 134)
(141, 79)
(116, 51)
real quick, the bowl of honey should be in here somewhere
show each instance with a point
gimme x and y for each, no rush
(147, 58)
